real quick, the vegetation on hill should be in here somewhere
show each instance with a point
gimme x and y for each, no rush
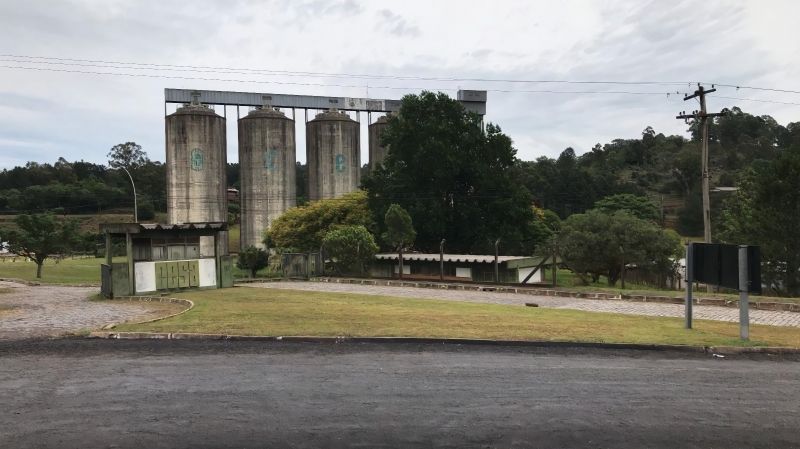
(464, 183)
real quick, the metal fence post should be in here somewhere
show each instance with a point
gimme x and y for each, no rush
(744, 287)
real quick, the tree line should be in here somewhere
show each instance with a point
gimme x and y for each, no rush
(464, 184)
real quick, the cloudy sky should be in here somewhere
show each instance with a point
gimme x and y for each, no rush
(47, 110)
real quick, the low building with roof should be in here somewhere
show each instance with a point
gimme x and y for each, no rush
(160, 258)
(462, 267)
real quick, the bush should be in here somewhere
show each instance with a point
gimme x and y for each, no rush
(350, 247)
(252, 259)
(303, 228)
(595, 244)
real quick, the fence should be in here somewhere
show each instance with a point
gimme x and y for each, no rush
(301, 265)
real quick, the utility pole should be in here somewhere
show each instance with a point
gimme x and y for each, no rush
(703, 116)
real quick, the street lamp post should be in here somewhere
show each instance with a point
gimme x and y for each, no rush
(135, 205)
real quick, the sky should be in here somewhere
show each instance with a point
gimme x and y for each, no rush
(47, 111)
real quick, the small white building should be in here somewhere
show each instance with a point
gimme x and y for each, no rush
(461, 267)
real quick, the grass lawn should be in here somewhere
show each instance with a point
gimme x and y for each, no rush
(73, 271)
(257, 311)
(65, 271)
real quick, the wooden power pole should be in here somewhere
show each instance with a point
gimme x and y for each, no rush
(703, 116)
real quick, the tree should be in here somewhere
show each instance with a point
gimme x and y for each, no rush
(452, 177)
(596, 243)
(252, 259)
(638, 206)
(350, 247)
(128, 155)
(40, 236)
(765, 211)
(303, 228)
(147, 210)
(399, 231)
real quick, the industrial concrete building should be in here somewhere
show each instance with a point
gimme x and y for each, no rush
(333, 155)
(196, 163)
(267, 171)
(377, 152)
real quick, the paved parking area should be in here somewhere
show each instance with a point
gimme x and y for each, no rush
(773, 318)
(51, 311)
(212, 394)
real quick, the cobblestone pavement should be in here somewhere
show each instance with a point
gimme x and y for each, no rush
(51, 311)
(774, 318)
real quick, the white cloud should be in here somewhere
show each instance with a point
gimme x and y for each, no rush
(82, 115)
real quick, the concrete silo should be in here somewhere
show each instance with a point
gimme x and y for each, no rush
(267, 171)
(377, 152)
(333, 155)
(196, 170)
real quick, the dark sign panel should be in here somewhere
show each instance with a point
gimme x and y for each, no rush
(718, 264)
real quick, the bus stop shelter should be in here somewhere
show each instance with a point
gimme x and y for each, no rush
(161, 258)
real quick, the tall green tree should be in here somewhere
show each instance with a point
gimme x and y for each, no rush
(399, 231)
(765, 211)
(452, 177)
(39, 237)
(128, 155)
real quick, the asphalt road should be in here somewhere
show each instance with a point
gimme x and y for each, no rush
(159, 394)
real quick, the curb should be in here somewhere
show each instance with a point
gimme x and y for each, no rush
(719, 302)
(717, 350)
(187, 302)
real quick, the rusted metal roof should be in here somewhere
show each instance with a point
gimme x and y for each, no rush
(136, 228)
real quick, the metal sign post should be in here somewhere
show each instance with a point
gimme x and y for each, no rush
(689, 281)
(744, 287)
(736, 267)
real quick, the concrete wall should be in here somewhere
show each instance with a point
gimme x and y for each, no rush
(524, 272)
(145, 276)
(267, 172)
(196, 164)
(377, 152)
(333, 155)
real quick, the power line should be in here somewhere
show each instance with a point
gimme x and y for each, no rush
(356, 86)
(144, 75)
(770, 89)
(241, 70)
(759, 100)
(349, 75)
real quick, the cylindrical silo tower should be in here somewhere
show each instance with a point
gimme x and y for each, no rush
(377, 152)
(196, 170)
(267, 171)
(333, 155)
